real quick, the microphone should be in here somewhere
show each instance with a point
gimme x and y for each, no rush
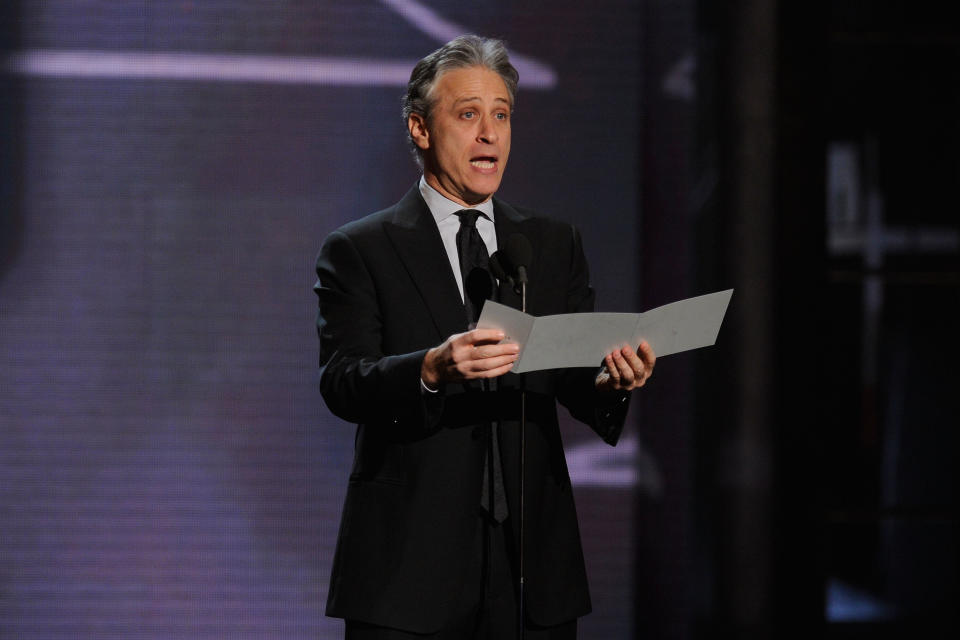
(515, 258)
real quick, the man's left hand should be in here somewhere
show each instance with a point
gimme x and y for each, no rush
(625, 369)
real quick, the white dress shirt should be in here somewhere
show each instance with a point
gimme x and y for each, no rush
(444, 214)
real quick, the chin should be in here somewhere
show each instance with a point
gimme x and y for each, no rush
(485, 188)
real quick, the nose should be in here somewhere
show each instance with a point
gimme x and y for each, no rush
(487, 133)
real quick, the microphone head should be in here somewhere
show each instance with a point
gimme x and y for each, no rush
(517, 254)
(517, 251)
(497, 268)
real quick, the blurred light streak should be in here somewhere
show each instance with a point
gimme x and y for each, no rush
(224, 67)
(533, 74)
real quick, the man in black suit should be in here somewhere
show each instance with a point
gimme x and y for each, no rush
(428, 538)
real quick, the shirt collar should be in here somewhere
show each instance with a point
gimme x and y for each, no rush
(443, 207)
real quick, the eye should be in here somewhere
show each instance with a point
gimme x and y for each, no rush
(501, 116)
(469, 115)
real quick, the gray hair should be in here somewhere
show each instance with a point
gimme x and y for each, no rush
(461, 52)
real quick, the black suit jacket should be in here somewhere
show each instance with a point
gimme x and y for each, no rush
(386, 295)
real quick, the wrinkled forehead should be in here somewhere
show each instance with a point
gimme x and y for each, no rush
(453, 84)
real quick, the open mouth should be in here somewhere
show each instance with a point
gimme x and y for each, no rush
(484, 162)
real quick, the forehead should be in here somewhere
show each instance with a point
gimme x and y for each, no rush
(471, 82)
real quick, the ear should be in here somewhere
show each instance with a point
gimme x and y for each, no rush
(418, 131)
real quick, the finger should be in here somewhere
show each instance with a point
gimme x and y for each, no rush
(483, 336)
(647, 355)
(478, 368)
(494, 350)
(633, 359)
(640, 370)
(649, 360)
(465, 353)
(498, 371)
(627, 374)
(612, 369)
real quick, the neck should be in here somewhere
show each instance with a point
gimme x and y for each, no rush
(467, 200)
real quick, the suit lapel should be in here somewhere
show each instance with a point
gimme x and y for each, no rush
(416, 239)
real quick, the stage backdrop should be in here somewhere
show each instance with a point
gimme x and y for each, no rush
(167, 466)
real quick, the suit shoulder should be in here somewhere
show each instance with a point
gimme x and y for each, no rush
(368, 224)
(528, 215)
(548, 229)
(361, 237)
(406, 212)
(364, 234)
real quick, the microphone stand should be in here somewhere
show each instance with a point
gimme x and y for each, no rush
(523, 451)
(519, 285)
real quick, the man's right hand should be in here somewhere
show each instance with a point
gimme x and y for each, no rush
(468, 356)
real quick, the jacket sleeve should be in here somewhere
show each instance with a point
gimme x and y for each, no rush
(358, 381)
(604, 412)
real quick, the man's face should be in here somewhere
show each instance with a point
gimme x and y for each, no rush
(466, 143)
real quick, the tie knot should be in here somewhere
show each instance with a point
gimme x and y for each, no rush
(468, 217)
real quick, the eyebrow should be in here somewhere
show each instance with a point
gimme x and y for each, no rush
(472, 98)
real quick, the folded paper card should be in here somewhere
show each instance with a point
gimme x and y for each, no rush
(583, 339)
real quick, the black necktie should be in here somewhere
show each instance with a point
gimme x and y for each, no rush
(474, 261)
(477, 286)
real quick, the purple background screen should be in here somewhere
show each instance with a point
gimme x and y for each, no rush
(167, 466)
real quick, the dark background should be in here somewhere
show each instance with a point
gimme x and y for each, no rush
(167, 468)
